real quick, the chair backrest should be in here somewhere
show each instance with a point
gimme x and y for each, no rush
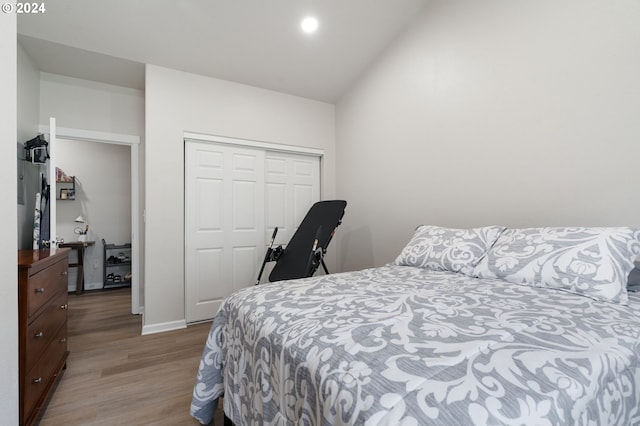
(320, 221)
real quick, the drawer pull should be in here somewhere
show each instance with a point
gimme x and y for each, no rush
(38, 380)
(40, 290)
(64, 273)
(63, 340)
(39, 334)
(63, 307)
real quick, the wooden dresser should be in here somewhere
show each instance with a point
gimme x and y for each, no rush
(42, 313)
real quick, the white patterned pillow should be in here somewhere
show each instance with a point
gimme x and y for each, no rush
(445, 249)
(594, 262)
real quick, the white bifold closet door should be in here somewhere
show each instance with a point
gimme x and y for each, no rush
(292, 185)
(234, 197)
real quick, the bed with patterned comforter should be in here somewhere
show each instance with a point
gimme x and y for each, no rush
(406, 345)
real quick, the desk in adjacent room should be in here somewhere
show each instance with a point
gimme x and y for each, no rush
(79, 247)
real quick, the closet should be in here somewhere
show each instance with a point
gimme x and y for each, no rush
(235, 195)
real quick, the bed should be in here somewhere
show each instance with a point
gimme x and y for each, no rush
(477, 326)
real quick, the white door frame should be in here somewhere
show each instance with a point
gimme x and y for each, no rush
(268, 146)
(134, 143)
(51, 177)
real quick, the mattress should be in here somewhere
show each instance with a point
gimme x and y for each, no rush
(400, 345)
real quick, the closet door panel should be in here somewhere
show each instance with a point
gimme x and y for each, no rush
(224, 223)
(234, 198)
(294, 181)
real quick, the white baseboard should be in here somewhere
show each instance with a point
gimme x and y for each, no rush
(164, 326)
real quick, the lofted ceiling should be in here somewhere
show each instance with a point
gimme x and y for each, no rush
(255, 42)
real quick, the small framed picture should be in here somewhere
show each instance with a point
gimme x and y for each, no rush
(64, 194)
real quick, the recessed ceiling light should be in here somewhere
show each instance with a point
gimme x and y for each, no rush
(309, 25)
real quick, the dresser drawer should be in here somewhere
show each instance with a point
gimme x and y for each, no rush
(44, 328)
(39, 378)
(45, 284)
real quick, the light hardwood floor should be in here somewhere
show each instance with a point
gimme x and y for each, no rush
(115, 376)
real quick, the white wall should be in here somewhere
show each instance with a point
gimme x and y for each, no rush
(493, 112)
(28, 104)
(177, 102)
(103, 198)
(89, 105)
(8, 212)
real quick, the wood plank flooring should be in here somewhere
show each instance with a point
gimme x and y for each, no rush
(115, 376)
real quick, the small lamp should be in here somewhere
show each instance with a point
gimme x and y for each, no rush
(82, 230)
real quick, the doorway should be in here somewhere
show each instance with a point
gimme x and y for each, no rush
(95, 206)
(131, 143)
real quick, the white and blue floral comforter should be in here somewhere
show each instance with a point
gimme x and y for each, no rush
(400, 345)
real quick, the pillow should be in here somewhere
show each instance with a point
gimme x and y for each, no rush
(594, 262)
(445, 249)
